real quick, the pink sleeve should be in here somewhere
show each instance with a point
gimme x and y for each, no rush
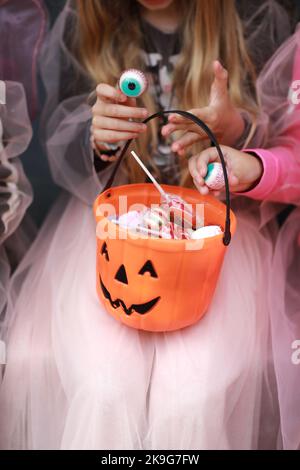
(281, 177)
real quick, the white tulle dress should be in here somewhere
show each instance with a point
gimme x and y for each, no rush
(78, 379)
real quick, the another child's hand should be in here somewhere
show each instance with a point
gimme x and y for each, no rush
(114, 116)
(244, 169)
(220, 115)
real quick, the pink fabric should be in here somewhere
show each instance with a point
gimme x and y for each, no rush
(23, 27)
(76, 378)
(15, 190)
(281, 178)
(284, 305)
(281, 182)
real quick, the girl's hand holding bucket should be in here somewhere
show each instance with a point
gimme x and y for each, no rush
(244, 169)
(114, 116)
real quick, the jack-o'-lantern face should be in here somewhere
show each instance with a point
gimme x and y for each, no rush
(156, 284)
(122, 281)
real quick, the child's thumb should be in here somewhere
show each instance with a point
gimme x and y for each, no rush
(131, 102)
(219, 88)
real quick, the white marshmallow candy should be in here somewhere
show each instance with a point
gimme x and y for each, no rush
(206, 232)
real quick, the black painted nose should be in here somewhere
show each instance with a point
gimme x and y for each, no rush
(121, 275)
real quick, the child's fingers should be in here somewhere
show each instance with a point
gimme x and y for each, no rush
(233, 180)
(203, 113)
(120, 111)
(105, 135)
(219, 88)
(185, 141)
(170, 128)
(105, 92)
(181, 153)
(232, 177)
(177, 119)
(201, 188)
(194, 168)
(207, 156)
(106, 158)
(103, 122)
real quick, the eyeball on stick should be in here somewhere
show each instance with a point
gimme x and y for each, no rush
(133, 83)
(214, 178)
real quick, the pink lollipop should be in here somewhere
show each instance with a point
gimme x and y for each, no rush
(179, 210)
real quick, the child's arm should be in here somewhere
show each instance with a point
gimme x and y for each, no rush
(271, 174)
(280, 181)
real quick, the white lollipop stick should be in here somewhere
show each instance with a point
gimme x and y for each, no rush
(151, 177)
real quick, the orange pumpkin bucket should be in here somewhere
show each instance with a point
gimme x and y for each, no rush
(156, 284)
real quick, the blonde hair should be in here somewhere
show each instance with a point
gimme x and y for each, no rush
(110, 40)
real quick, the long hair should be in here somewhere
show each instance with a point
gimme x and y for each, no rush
(110, 40)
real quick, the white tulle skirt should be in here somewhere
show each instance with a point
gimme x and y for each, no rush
(284, 295)
(78, 379)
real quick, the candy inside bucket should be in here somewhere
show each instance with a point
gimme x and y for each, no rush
(161, 222)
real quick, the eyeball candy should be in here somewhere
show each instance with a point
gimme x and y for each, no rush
(214, 178)
(206, 232)
(133, 83)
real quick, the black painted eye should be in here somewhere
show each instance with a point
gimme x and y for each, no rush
(148, 268)
(121, 275)
(104, 251)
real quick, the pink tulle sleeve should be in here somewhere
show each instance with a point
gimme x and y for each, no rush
(284, 300)
(281, 159)
(66, 119)
(16, 133)
(23, 27)
(15, 190)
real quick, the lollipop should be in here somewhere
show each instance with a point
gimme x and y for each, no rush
(214, 178)
(133, 83)
(179, 211)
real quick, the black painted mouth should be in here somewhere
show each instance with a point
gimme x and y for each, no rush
(138, 308)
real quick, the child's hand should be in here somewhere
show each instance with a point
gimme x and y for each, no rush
(244, 169)
(113, 118)
(220, 115)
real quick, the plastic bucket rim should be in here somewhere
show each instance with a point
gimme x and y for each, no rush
(207, 242)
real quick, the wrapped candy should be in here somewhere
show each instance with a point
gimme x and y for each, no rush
(155, 218)
(180, 212)
(131, 219)
(154, 223)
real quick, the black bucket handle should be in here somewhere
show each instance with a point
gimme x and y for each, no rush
(213, 139)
